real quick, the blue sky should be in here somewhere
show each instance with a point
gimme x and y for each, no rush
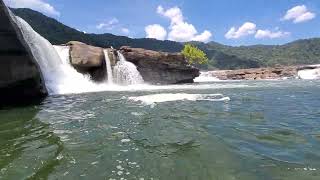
(232, 22)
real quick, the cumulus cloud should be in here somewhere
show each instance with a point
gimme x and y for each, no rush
(299, 14)
(108, 25)
(156, 31)
(179, 29)
(38, 5)
(174, 14)
(261, 34)
(246, 29)
(203, 37)
(182, 32)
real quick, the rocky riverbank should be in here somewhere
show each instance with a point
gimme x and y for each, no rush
(281, 72)
(256, 73)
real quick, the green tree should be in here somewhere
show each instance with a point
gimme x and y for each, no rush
(194, 55)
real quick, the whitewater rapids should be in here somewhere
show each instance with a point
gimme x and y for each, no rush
(309, 74)
(170, 97)
(206, 77)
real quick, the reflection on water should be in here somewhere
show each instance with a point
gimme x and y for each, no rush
(28, 149)
(267, 131)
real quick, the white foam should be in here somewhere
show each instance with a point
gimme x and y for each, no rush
(126, 73)
(147, 87)
(67, 80)
(109, 69)
(206, 77)
(309, 74)
(125, 140)
(169, 97)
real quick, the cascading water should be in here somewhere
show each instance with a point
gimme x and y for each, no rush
(59, 76)
(206, 77)
(109, 69)
(126, 73)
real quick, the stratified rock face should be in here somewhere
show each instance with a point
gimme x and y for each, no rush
(160, 67)
(256, 73)
(88, 59)
(20, 77)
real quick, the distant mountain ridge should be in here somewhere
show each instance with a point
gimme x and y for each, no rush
(220, 56)
(58, 33)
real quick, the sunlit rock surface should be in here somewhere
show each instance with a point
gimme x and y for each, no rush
(160, 67)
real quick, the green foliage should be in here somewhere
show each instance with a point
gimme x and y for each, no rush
(220, 56)
(299, 52)
(194, 55)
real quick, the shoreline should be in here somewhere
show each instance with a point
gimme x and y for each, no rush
(266, 73)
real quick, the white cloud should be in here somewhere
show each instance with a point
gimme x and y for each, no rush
(108, 25)
(299, 14)
(125, 30)
(174, 14)
(181, 30)
(261, 34)
(203, 37)
(156, 31)
(246, 29)
(38, 5)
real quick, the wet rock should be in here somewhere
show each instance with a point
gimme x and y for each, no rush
(160, 67)
(20, 76)
(88, 59)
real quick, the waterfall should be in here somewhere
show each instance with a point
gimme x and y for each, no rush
(59, 76)
(109, 69)
(126, 73)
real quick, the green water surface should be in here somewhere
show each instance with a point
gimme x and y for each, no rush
(268, 130)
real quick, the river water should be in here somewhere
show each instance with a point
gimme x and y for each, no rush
(238, 130)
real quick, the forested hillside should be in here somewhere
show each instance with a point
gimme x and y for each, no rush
(220, 56)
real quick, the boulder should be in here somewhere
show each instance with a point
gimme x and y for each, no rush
(160, 67)
(85, 56)
(88, 59)
(20, 76)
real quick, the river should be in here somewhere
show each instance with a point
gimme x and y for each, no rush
(237, 130)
